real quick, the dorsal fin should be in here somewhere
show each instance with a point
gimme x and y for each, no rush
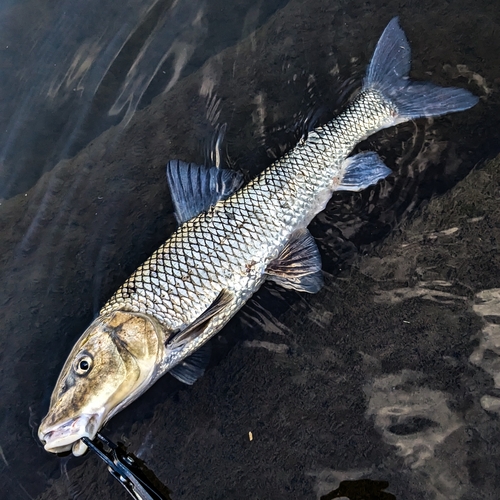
(196, 188)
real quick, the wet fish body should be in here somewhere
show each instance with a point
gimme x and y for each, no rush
(231, 248)
(231, 239)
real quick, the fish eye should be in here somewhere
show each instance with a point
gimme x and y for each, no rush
(83, 365)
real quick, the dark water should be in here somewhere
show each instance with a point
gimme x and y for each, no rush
(383, 385)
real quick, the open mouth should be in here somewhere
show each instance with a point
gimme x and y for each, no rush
(66, 436)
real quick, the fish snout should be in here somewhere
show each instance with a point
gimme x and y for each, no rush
(64, 436)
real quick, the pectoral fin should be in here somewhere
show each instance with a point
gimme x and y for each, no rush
(298, 267)
(196, 188)
(199, 325)
(193, 367)
(361, 171)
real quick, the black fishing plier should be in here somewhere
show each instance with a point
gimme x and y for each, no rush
(124, 467)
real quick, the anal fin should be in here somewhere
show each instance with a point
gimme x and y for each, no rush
(362, 170)
(298, 266)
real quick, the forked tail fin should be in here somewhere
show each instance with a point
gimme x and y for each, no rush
(388, 74)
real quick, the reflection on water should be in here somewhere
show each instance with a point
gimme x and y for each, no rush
(53, 89)
(410, 417)
(388, 375)
(487, 354)
(89, 67)
(416, 421)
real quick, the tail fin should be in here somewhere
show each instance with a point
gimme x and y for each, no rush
(388, 74)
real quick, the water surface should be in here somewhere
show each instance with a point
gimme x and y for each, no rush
(383, 384)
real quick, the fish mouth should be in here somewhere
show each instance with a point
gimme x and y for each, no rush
(65, 436)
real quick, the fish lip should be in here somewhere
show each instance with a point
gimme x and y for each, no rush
(63, 435)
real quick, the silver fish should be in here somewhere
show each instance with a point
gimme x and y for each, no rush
(231, 239)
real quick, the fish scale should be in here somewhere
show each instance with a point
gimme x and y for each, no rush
(230, 246)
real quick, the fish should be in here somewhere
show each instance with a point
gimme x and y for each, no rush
(231, 239)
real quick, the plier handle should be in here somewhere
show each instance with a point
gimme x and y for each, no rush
(123, 467)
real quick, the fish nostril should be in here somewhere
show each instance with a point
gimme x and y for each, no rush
(44, 439)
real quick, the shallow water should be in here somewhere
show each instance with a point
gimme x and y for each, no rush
(383, 384)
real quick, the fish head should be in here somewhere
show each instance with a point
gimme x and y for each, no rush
(113, 362)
